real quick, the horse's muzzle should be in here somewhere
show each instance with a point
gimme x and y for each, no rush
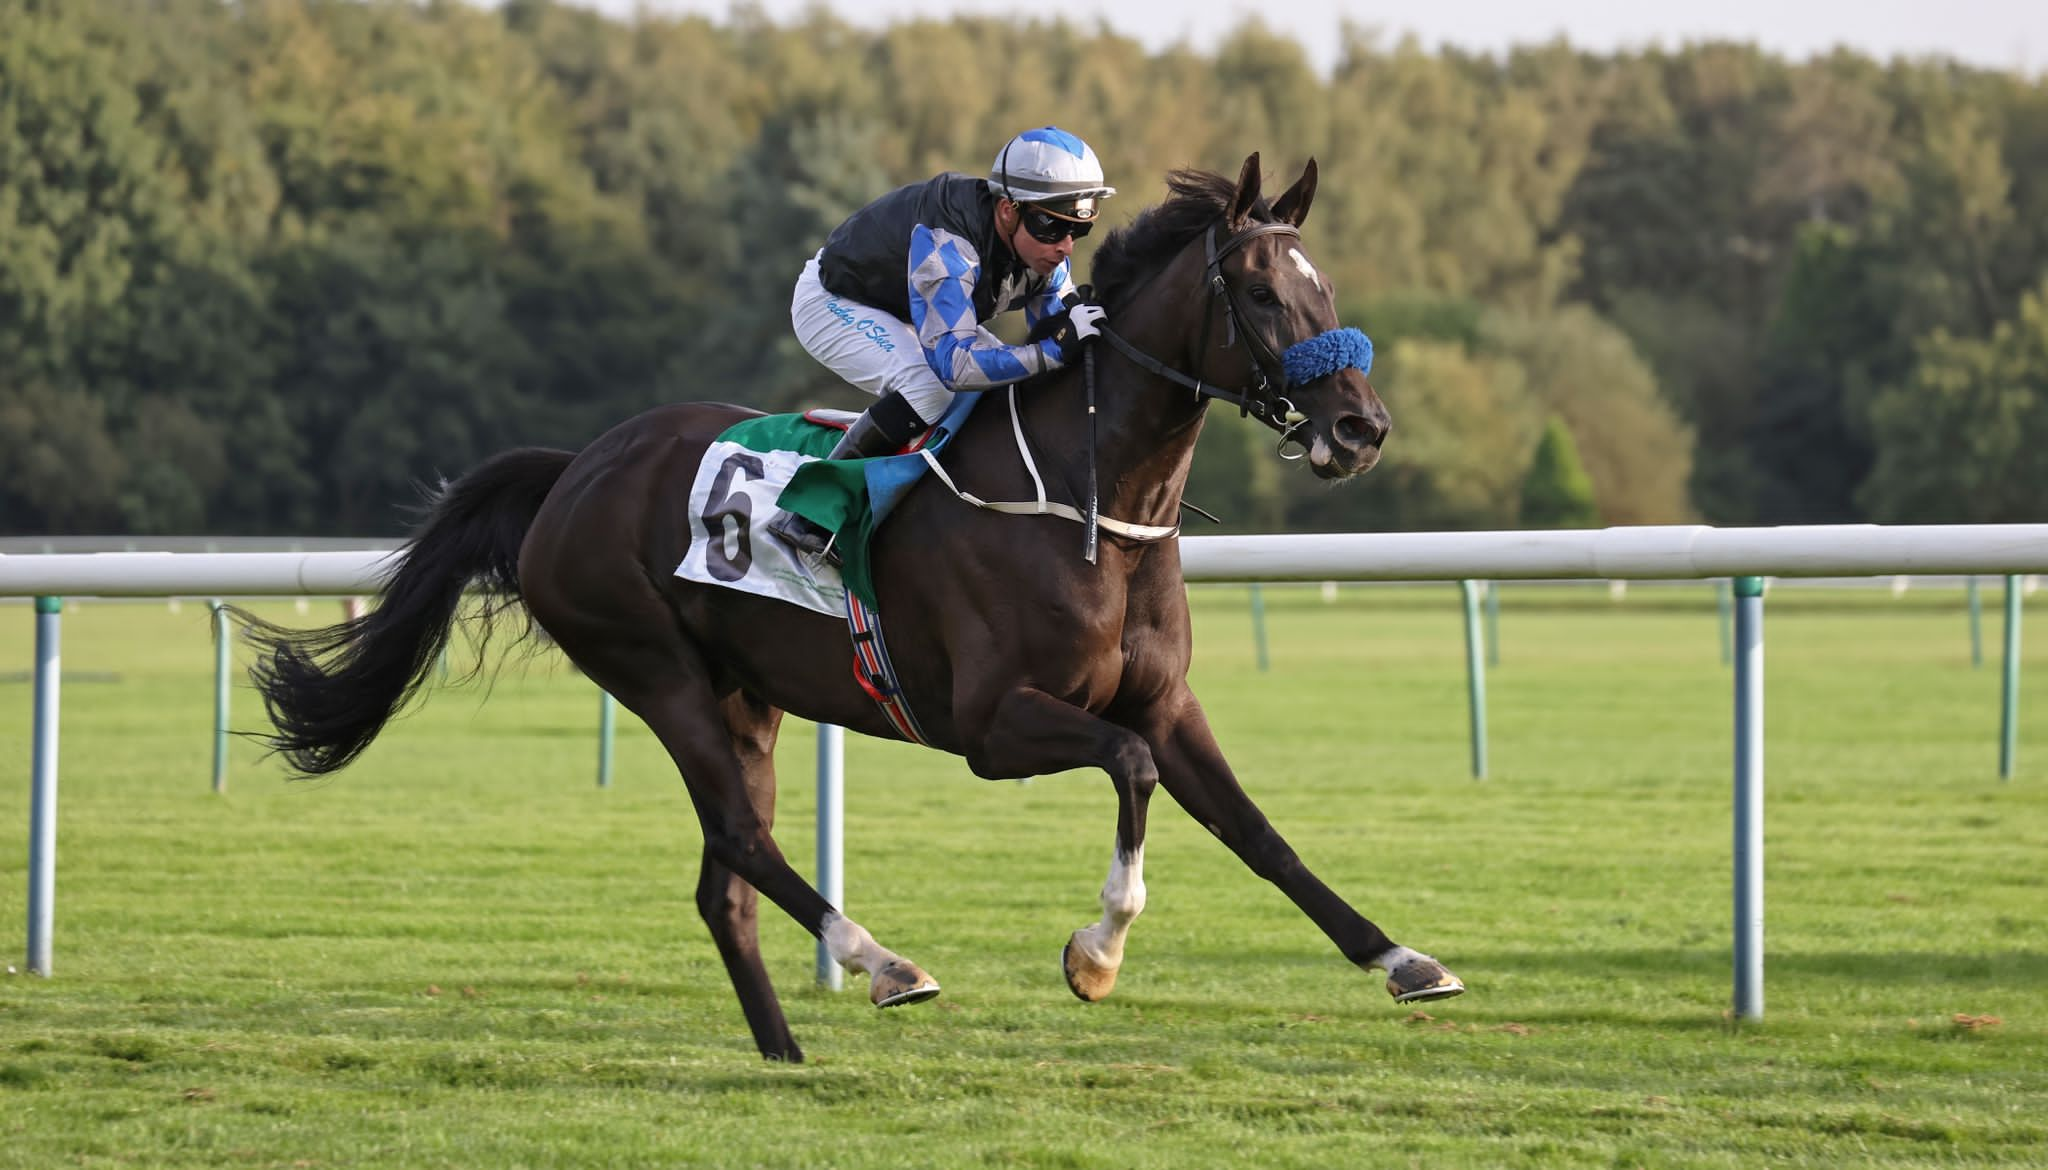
(1350, 446)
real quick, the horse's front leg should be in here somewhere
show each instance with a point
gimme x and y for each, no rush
(1031, 732)
(1095, 953)
(1197, 776)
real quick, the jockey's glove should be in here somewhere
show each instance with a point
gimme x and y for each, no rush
(1071, 330)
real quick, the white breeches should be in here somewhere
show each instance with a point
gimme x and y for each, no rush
(866, 346)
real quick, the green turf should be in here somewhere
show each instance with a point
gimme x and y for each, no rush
(462, 953)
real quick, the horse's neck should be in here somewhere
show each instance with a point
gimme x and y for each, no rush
(1147, 440)
(1145, 426)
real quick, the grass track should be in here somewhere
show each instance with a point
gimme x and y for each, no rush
(461, 953)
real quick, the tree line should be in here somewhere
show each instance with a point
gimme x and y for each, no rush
(267, 266)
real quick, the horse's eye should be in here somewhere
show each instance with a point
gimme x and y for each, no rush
(1263, 294)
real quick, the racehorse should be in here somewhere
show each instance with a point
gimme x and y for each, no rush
(1012, 649)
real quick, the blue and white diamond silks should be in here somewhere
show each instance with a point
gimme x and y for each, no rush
(943, 271)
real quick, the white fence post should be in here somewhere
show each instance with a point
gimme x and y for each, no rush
(42, 816)
(1749, 797)
(831, 837)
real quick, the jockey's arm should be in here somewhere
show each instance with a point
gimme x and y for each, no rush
(1052, 302)
(965, 356)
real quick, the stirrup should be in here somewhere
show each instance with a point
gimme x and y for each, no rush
(806, 538)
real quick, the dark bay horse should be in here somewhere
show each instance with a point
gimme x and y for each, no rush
(1012, 650)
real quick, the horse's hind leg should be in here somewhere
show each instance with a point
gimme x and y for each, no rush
(730, 908)
(624, 637)
(729, 905)
(723, 751)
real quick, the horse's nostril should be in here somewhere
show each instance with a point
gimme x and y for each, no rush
(1356, 430)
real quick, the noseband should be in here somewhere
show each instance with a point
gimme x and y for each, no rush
(1274, 372)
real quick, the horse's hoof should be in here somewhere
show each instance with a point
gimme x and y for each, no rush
(1422, 978)
(1089, 981)
(899, 982)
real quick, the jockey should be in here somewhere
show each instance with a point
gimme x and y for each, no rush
(894, 302)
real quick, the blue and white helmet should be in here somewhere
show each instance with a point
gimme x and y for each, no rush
(1052, 169)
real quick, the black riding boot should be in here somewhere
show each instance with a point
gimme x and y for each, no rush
(883, 429)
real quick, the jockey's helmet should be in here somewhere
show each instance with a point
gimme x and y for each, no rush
(1052, 170)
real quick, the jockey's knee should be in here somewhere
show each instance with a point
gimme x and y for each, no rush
(927, 396)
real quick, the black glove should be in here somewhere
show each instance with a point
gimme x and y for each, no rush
(1072, 329)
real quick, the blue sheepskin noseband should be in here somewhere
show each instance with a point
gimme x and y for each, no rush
(1325, 354)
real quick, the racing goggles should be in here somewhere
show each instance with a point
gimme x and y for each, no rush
(1050, 227)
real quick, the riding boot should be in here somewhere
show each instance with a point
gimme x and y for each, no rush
(882, 429)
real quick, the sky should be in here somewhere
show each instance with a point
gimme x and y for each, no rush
(1998, 34)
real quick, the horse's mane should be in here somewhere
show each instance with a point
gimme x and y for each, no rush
(1147, 243)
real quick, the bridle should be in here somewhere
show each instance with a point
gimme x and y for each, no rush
(1266, 399)
(1274, 372)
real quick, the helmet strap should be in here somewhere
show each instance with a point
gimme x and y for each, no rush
(1007, 235)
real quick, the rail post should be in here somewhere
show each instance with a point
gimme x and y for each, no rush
(42, 816)
(1749, 797)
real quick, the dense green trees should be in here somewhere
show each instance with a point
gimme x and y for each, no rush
(1557, 492)
(1965, 435)
(265, 264)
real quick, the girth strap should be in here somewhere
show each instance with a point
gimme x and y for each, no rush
(873, 671)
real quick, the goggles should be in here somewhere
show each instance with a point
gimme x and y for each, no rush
(1049, 227)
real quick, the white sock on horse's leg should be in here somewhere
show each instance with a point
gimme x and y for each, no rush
(892, 979)
(1393, 957)
(851, 946)
(1123, 899)
(1412, 976)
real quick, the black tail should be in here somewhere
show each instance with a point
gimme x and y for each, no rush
(330, 691)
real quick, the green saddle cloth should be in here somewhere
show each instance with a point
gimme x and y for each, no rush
(832, 493)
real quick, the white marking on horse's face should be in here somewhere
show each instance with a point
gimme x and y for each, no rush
(1307, 269)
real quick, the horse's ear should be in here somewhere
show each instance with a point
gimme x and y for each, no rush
(1247, 192)
(1292, 207)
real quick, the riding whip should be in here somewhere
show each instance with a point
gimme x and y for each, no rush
(1093, 523)
(1094, 512)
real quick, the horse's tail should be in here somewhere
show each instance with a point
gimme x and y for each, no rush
(329, 691)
